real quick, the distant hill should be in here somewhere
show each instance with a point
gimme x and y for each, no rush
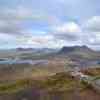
(74, 49)
(23, 49)
(36, 50)
(78, 52)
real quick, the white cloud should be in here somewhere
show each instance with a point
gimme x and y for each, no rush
(93, 24)
(91, 32)
(12, 21)
(69, 31)
(39, 41)
(69, 27)
(73, 34)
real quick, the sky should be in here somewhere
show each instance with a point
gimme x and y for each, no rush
(49, 23)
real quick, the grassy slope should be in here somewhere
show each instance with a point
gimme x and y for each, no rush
(58, 82)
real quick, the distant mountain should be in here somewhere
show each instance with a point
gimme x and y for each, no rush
(36, 50)
(23, 49)
(75, 48)
(79, 52)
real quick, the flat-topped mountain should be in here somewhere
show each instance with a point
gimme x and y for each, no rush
(79, 52)
(75, 48)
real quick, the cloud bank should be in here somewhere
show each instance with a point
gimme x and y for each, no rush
(49, 23)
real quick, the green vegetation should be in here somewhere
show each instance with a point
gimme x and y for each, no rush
(59, 82)
(35, 56)
(15, 86)
(85, 85)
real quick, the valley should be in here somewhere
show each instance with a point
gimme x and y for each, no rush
(47, 76)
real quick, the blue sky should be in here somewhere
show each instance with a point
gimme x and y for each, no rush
(49, 23)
